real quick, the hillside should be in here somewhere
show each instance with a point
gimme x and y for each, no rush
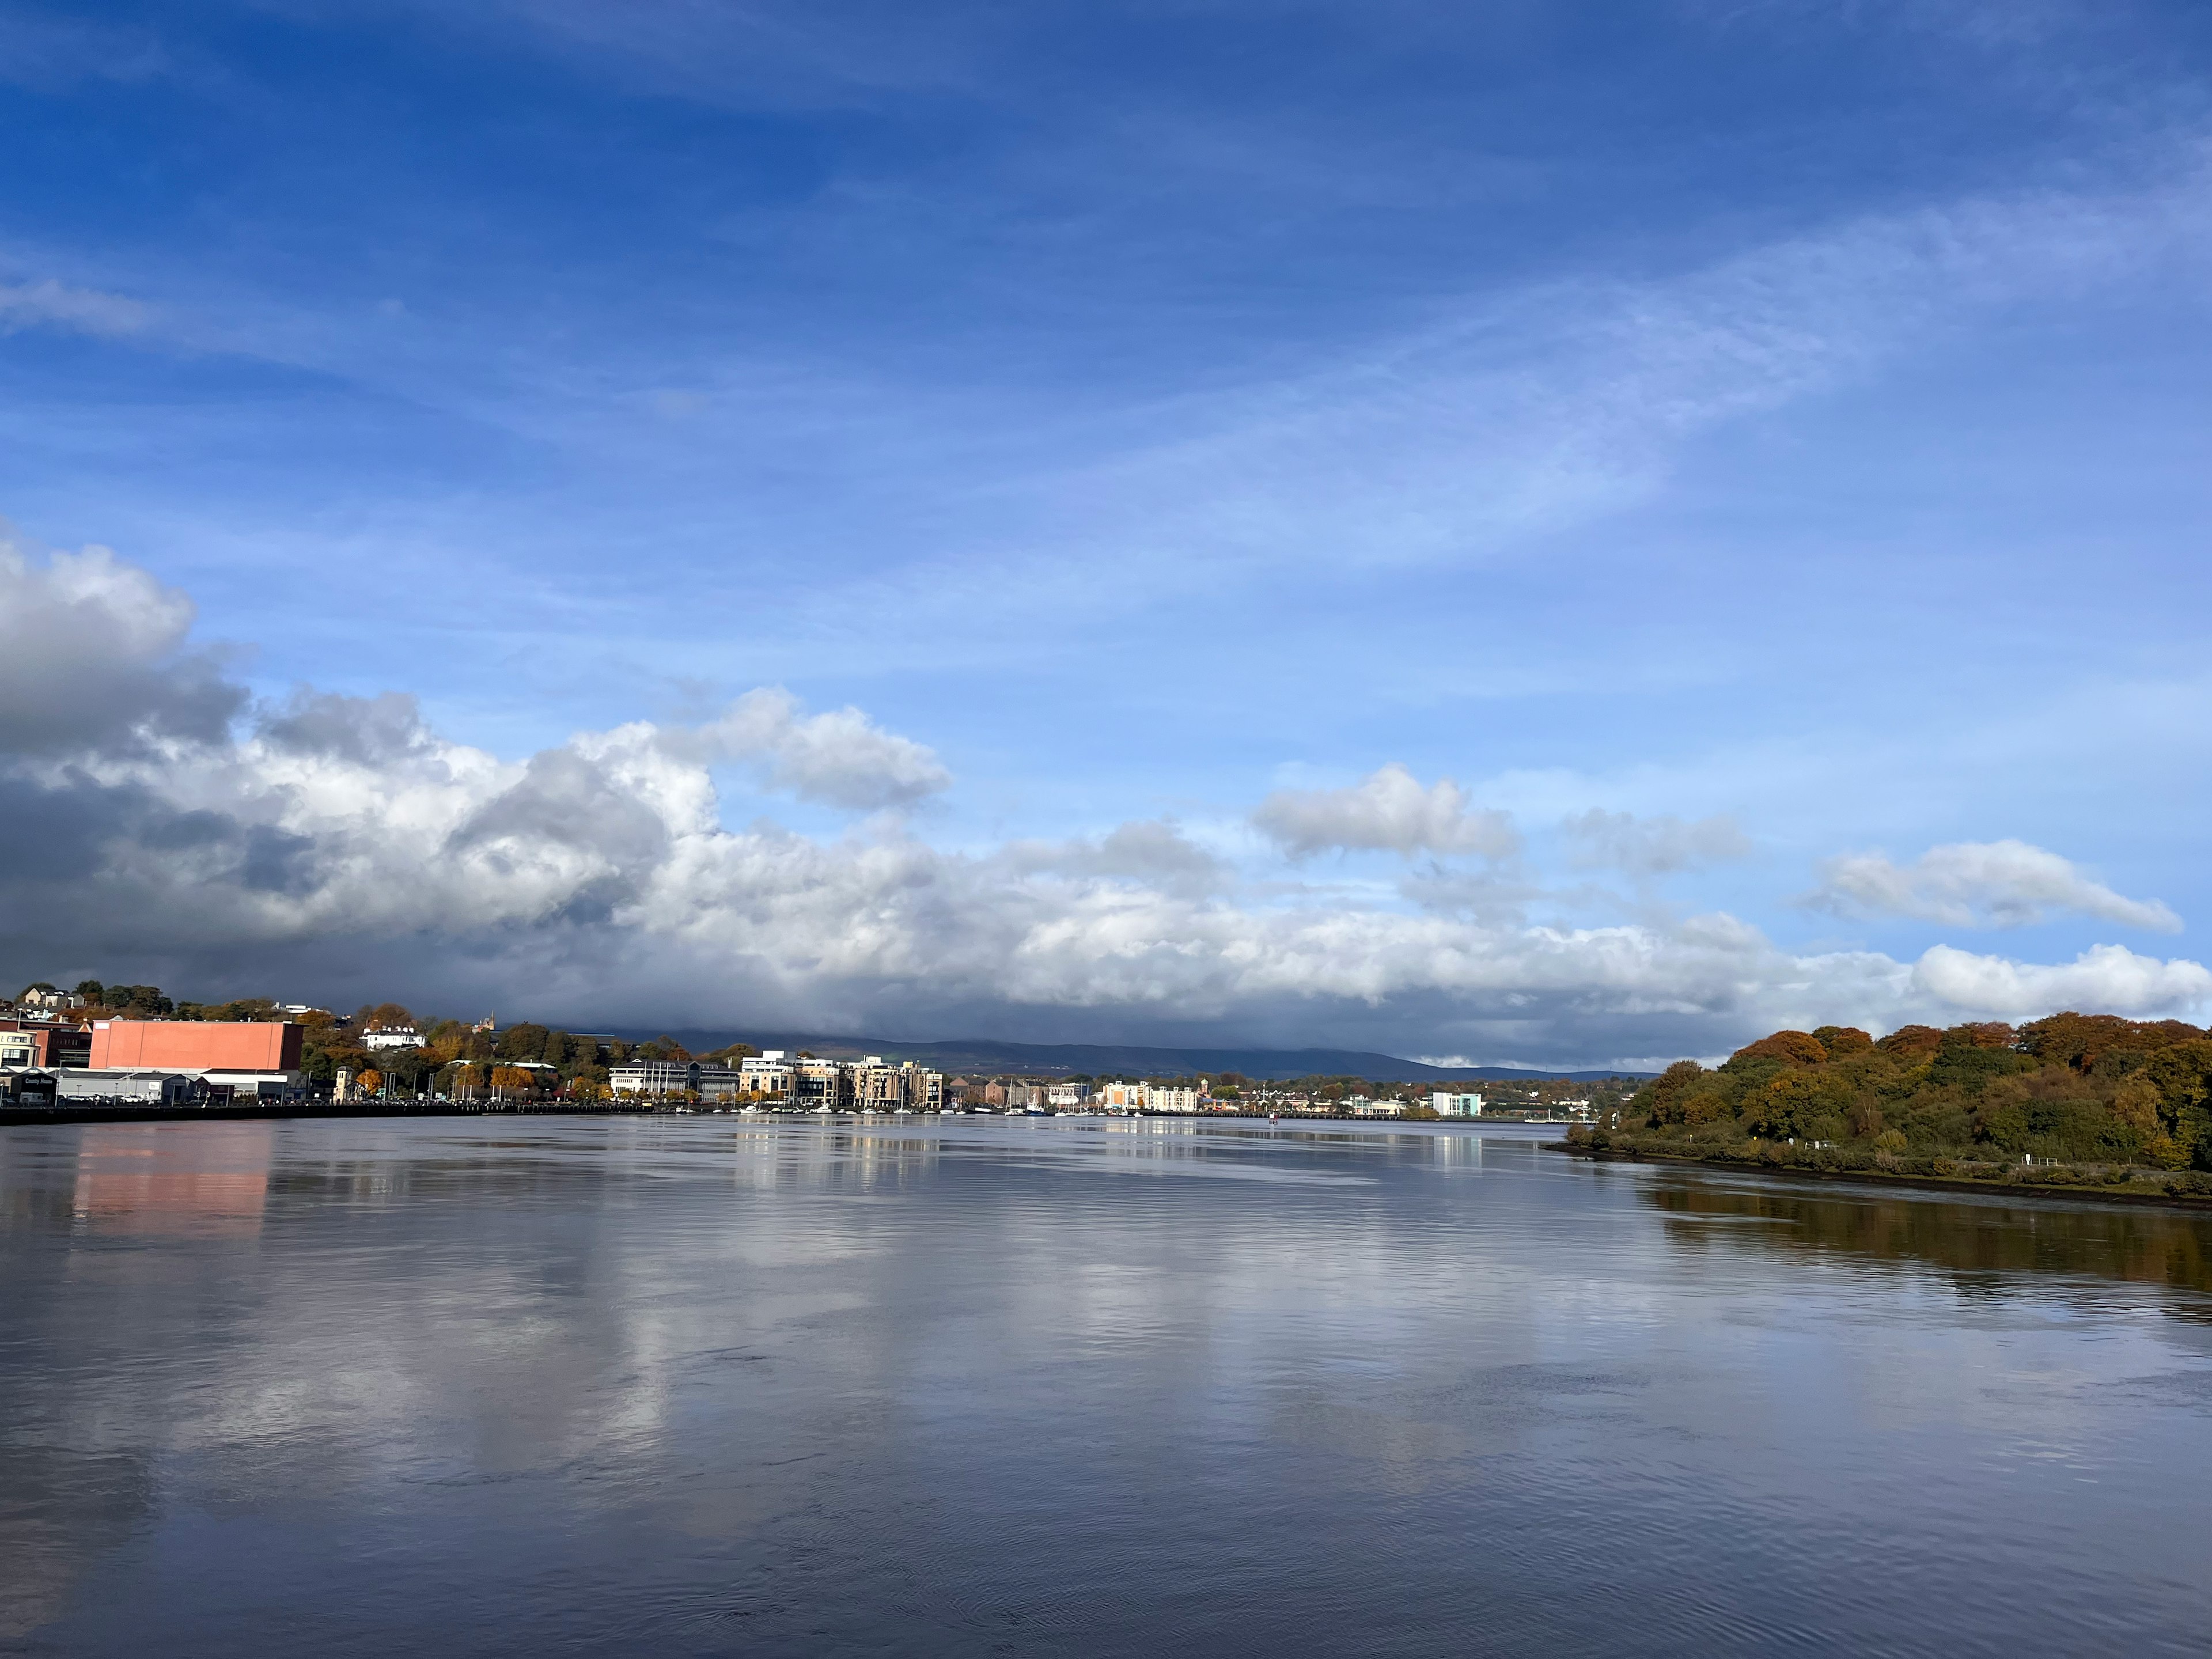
(1071, 1059)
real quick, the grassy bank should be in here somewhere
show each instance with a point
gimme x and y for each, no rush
(2186, 1188)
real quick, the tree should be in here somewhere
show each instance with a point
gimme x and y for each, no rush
(371, 1082)
(523, 1042)
(1842, 1041)
(1908, 1043)
(1791, 1047)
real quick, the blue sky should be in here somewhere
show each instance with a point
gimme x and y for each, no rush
(1786, 418)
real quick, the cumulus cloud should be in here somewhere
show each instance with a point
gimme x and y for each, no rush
(841, 758)
(334, 845)
(1153, 852)
(92, 655)
(2105, 979)
(1999, 883)
(1388, 811)
(1653, 846)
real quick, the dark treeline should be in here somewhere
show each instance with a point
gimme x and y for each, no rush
(2073, 1090)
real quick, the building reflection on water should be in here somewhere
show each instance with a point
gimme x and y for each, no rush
(770, 1156)
(173, 1180)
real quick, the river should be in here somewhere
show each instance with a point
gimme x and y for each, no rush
(1073, 1386)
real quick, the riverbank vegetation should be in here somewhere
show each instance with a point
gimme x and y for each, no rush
(2072, 1100)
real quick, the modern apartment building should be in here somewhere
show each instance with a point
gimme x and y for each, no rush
(766, 1075)
(1150, 1097)
(1447, 1104)
(820, 1084)
(44, 1044)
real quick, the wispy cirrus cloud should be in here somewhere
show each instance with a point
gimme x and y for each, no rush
(51, 304)
(1655, 846)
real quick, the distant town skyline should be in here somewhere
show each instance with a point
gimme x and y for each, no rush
(1552, 536)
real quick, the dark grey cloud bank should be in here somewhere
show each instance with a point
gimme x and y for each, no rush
(156, 824)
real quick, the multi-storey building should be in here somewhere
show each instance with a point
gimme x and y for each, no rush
(820, 1085)
(765, 1075)
(1448, 1105)
(653, 1077)
(44, 1044)
(771, 1078)
(877, 1087)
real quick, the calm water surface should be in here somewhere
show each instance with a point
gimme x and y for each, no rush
(1071, 1386)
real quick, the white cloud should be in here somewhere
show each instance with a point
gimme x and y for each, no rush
(1388, 811)
(340, 843)
(51, 304)
(1654, 846)
(838, 759)
(93, 654)
(2105, 979)
(1999, 883)
(1149, 852)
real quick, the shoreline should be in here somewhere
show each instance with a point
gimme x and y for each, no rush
(2054, 1194)
(124, 1113)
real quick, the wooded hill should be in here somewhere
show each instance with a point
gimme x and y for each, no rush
(2074, 1089)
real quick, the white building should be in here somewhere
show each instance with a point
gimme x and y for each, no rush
(1068, 1097)
(653, 1077)
(1447, 1104)
(391, 1036)
(1361, 1106)
(1150, 1097)
(764, 1075)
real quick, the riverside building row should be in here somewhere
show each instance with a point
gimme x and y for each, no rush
(1183, 1099)
(775, 1080)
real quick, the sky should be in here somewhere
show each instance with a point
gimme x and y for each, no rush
(1548, 534)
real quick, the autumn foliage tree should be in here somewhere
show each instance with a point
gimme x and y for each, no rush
(2081, 1088)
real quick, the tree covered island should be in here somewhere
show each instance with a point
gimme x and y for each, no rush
(2088, 1100)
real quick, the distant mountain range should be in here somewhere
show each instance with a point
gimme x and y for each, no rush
(1066, 1059)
